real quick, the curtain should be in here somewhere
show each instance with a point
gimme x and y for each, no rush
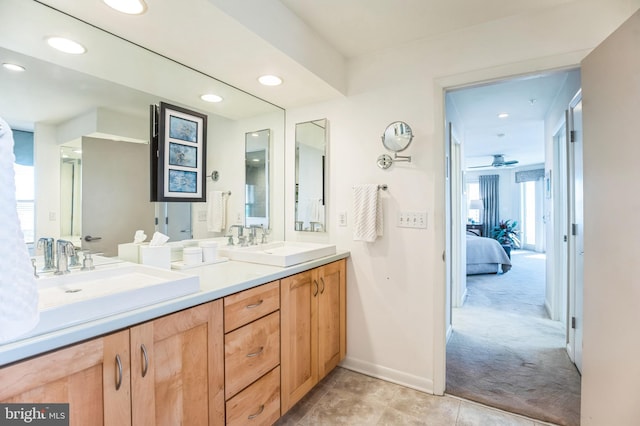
(490, 195)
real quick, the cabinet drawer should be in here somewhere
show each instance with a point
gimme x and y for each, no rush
(259, 404)
(251, 351)
(249, 305)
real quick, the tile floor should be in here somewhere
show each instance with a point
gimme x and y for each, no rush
(348, 398)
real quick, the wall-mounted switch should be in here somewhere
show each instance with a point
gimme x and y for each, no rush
(412, 219)
(342, 218)
(202, 216)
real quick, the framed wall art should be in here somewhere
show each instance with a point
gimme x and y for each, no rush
(178, 154)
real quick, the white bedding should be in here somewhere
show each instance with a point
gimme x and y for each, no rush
(485, 255)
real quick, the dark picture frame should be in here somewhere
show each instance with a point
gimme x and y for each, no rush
(178, 154)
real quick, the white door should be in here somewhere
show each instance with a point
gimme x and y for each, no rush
(115, 194)
(175, 221)
(576, 250)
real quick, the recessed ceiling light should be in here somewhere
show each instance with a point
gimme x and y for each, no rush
(130, 7)
(13, 67)
(210, 97)
(255, 135)
(256, 160)
(503, 115)
(65, 45)
(270, 80)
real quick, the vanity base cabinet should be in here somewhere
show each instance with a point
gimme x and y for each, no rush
(177, 368)
(168, 371)
(92, 377)
(313, 328)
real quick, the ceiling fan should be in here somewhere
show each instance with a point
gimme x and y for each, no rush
(498, 161)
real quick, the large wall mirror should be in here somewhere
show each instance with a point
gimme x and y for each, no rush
(256, 196)
(310, 196)
(98, 103)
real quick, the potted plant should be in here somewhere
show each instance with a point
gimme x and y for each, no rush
(506, 232)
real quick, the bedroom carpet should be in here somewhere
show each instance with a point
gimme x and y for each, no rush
(505, 352)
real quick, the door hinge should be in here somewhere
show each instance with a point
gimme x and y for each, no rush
(573, 322)
(574, 229)
(564, 238)
(572, 136)
(156, 220)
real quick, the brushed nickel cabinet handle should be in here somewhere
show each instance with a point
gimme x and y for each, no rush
(322, 289)
(251, 355)
(145, 358)
(315, 284)
(119, 372)
(255, 305)
(253, 416)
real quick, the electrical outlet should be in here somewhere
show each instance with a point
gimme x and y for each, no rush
(342, 218)
(52, 216)
(239, 218)
(412, 219)
(202, 216)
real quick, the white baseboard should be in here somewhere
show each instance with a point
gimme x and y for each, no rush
(388, 374)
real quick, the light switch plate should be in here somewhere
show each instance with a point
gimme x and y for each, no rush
(342, 218)
(202, 216)
(412, 219)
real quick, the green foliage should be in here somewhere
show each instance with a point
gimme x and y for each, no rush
(506, 232)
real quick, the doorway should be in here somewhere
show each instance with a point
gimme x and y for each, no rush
(528, 199)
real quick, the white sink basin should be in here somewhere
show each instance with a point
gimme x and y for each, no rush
(83, 296)
(278, 253)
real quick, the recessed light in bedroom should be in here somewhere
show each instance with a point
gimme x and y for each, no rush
(66, 45)
(270, 80)
(13, 67)
(130, 7)
(503, 115)
(210, 97)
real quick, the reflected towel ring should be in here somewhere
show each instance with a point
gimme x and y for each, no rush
(214, 175)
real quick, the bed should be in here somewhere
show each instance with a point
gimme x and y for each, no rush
(485, 256)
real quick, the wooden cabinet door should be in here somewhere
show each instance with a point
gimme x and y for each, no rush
(331, 316)
(298, 332)
(177, 366)
(93, 377)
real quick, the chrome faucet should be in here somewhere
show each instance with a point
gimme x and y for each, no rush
(64, 249)
(240, 230)
(252, 229)
(47, 245)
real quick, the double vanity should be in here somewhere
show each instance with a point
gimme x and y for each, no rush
(235, 342)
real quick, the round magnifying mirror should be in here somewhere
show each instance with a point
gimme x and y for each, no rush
(397, 136)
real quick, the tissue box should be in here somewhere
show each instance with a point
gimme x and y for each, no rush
(129, 252)
(158, 256)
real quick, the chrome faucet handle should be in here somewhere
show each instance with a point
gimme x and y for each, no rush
(230, 240)
(243, 240)
(75, 259)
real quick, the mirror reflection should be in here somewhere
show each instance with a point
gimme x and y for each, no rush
(397, 136)
(256, 210)
(311, 144)
(66, 101)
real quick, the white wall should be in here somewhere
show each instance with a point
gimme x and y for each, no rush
(611, 104)
(396, 289)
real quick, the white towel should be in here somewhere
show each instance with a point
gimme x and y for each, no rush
(367, 214)
(216, 212)
(18, 289)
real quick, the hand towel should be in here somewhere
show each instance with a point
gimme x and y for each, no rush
(18, 289)
(367, 210)
(216, 212)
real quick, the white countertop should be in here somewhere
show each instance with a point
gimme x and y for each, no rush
(216, 281)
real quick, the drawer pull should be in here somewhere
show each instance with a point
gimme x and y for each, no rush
(255, 305)
(315, 284)
(119, 372)
(251, 355)
(145, 358)
(322, 289)
(253, 416)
